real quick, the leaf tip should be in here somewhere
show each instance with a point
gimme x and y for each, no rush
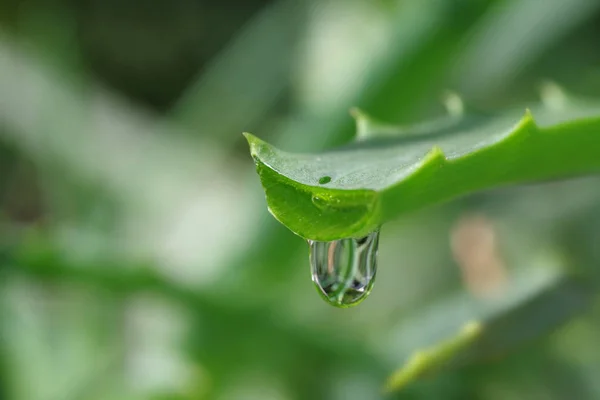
(254, 143)
(525, 125)
(436, 154)
(364, 123)
(454, 103)
(250, 137)
(471, 329)
(553, 96)
(368, 127)
(527, 120)
(356, 112)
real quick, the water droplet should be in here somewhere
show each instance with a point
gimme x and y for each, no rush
(325, 202)
(344, 270)
(324, 179)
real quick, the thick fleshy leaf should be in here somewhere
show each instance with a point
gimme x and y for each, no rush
(350, 191)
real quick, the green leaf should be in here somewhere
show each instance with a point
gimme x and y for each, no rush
(459, 330)
(427, 360)
(385, 172)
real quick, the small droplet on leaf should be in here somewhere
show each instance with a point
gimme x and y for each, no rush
(344, 270)
(319, 202)
(324, 179)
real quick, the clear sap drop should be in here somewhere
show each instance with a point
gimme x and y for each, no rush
(344, 270)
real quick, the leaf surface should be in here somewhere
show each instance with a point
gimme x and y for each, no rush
(388, 171)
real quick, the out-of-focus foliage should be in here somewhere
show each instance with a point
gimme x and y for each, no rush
(137, 257)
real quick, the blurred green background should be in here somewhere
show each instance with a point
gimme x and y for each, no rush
(138, 259)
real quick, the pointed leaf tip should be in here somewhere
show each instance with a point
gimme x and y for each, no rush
(249, 137)
(527, 119)
(356, 113)
(368, 127)
(453, 103)
(553, 95)
(365, 125)
(435, 154)
(254, 143)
